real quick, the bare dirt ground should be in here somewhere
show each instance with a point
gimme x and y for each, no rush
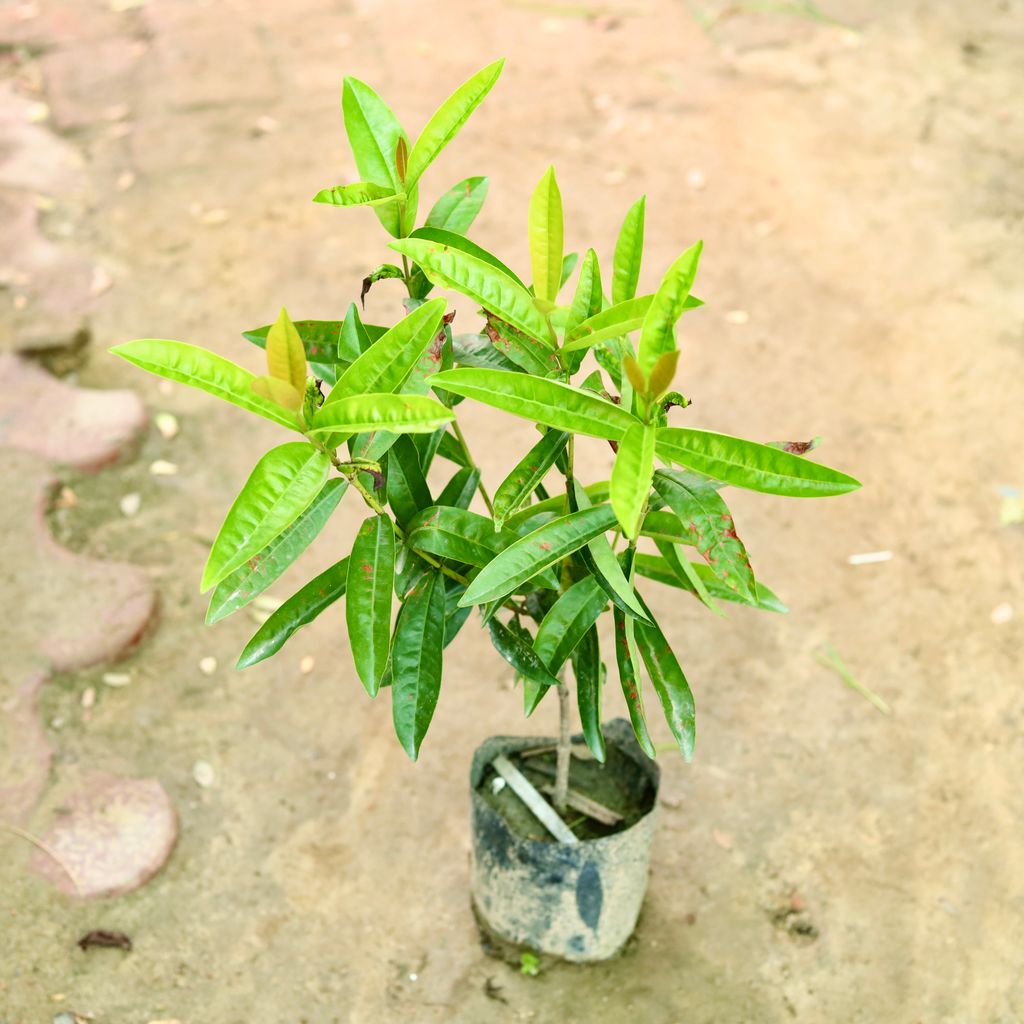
(858, 190)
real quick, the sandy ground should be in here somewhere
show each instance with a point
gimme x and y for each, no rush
(858, 191)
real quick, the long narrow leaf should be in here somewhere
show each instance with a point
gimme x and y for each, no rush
(660, 570)
(519, 654)
(371, 581)
(587, 667)
(631, 477)
(530, 471)
(628, 252)
(628, 659)
(546, 237)
(567, 620)
(399, 414)
(359, 193)
(670, 301)
(457, 208)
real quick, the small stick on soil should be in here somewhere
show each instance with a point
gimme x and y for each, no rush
(524, 789)
(591, 808)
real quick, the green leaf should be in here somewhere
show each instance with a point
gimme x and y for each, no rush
(264, 568)
(408, 492)
(528, 354)
(387, 363)
(661, 571)
(281, 487)
(631, 477)
(629, 250)
(536, 551)
(454, 240)
(519, 654)
(628, 659)
(457, 534)
(457, 208)
(353, 339)
(200, 368)
(450, 449)
(416, 652)
(669, 683)
(686, 575)
(371, 580)
(449, 118)
(757, 467)
(670, 301)
(459, 491)
(449, 267)
(455, 617)
(568, 620)
(523, 480)
(712, 529)
(476, 350)
(399, 414)
(286, 357)
(299, 610)
(589, 297)
(609, 323)
(549, 402)
(359, 193)
(586, 662)
(319, 339)
(546, 237)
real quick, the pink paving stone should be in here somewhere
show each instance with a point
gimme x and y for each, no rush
(110, 835)
(64, 424)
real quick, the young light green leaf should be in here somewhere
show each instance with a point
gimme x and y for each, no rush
(359, 193)
(200, 368)
(631, 477)
(536, 551)
(416, 661)
(263, 569)
(546, 237)
(589, 297)
(457, 208)
(523, 480)
(400, 414)
(449, 118)
(669, 683)
(299, 610)
(387, 363)
(628, 252)
(660, 570)
(658, 335)
(628, 659)
(371, 581)
(281, 487)
(320, 340)
(712, 529)
(609, 323)
(663, 374)
(757, 467)
(567, 620)
(286, 358)
(449, 267)
(517, 651)
(549, 402)
(280, 392)
(452, 239)
(587, 668)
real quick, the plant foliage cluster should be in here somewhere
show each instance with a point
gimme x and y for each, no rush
(372, 409)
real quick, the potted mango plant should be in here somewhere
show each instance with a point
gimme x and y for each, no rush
(562, 827)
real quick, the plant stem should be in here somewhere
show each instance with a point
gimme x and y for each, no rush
(460, 437)
(564, 750)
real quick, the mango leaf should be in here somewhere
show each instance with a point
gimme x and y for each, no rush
(353, 339)
(456, 534)
(546, 232)
(658, 335)
(536, 551)
(757, 467)
(200, 368)
(457, 208)
(609, 323)
(669, 683)
(523, 480)
(281, 487)
(371, 580)
(280, 392)
(449, 267)
(569, 261)
(476, 350)
(666, 526)
(264, 568)
(532, 356)
(387, 363)
(516, 650)
(455, 240)
(455, 617)
(359, 193)
(628, 659)
(688, 578)
(373, 133)
(608, 355)
(548, 402)
(568, 620)
(629, 251)
(319, 339)
(408, 493)
(459, 491)
(631, 477)
(399, 414)
(449, 118)
(450, 449)
(299, 610)
(587, 668)
(286, 357)
(385, 272)
(416, 661)
(660, 570)
(713, 531)
(589, 297)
